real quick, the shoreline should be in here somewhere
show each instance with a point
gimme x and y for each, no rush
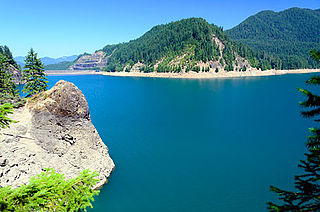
(67, 72)
(189, 75)
(224, 74)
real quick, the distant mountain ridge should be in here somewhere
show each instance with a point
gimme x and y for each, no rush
(48, 60)
(288, 34)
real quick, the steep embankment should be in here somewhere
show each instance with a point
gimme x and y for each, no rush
(288, 34)
(95, 61)
(54, 131)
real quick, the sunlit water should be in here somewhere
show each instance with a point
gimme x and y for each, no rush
(196, 145)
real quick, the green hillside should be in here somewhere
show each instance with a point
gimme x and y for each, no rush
(289, 35)
(64, 65)
(182, 46)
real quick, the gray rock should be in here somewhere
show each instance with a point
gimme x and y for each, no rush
(54, 131)
(16, 74)
(97, 60)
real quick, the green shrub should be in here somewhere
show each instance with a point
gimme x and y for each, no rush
(5, 109)
(49, 191)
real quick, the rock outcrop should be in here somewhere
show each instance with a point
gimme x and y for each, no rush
(16, 74)
(93, 61)
(54, 131)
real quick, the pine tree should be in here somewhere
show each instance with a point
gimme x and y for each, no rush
(5, 51)
(7, 86)
(33, 74)
(307, 194)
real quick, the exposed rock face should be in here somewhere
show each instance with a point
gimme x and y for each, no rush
(96, 60)
(16, 74)
(54, 131)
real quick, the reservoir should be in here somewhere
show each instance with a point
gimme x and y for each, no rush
(196, 144)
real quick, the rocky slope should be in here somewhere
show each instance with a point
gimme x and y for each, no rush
(16, 74)
(54, 131)
(96, 60)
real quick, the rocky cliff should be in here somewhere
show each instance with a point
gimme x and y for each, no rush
(94, 61)
(54, 131)
(16, 74)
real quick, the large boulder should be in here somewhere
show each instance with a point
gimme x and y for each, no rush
(54, 131)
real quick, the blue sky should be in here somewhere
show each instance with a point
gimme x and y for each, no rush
(66, 27)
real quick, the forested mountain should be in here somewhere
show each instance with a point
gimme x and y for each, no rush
(64, 65)
(188, 44)
(289, 35)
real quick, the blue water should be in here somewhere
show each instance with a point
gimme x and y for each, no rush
(196, 145)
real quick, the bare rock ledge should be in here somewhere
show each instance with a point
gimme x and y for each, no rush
(54, 131)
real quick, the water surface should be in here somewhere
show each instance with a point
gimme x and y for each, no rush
(196, 145)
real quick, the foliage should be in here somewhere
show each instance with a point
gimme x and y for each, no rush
(168, 40)
(64, 65)
(182, 44)
(33, 74)
(8, 92)
(285, 37)
(5, 109)
(7, 85)
(109, 49)
(49, 191)
(307, 194)
(5, 51)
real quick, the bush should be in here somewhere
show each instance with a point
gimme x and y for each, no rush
(49, 191)
(5, 109)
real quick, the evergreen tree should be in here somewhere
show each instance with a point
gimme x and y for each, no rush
(33, 74)
(7, 86)
(307, 194)
(8, 92)
(5, 51)
(267, 33)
